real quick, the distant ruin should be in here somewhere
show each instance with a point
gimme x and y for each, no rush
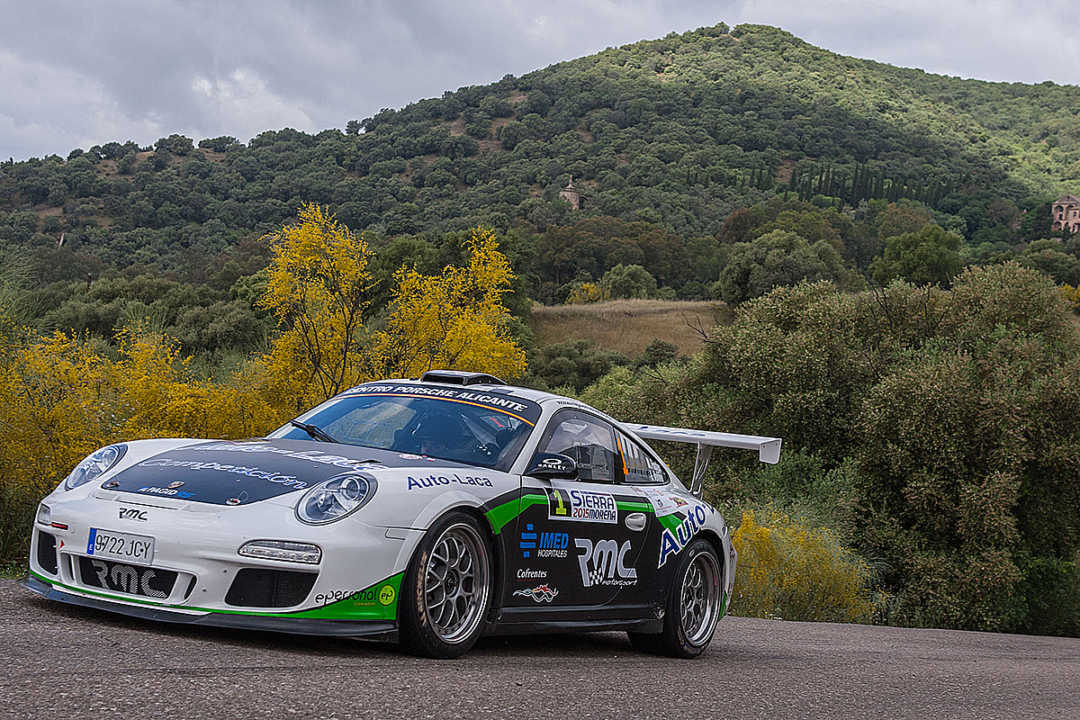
(1066, 213)
(574, 196)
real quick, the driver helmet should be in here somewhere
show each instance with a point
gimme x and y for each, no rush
(441, 432)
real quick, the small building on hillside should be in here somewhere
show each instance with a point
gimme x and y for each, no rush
(1065, 213)
(575, 197)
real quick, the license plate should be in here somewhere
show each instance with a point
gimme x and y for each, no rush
(120, 546)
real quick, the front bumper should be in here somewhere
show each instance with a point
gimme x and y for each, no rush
(368, 629)
(352, 591)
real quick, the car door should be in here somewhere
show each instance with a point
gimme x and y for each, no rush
(643, 474)
(579, 541)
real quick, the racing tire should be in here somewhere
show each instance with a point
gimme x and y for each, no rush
(692, 608)
(446, 591)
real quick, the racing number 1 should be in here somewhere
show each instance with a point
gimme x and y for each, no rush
(560, 508)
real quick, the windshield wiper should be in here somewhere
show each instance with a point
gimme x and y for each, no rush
(316, 432)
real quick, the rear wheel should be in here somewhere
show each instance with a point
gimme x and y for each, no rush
(447, 589)
(693, 606)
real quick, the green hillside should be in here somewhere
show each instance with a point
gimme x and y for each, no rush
(678, 131)
(723, 162)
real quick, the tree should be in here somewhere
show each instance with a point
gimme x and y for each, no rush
(318, 287)
(1050, 257)
(944, 424)
(456, 319)
(175, 144)
(930, 256)
(575, 364)
(219, 144)
(775, 259)
(628, 281)
(900, 218)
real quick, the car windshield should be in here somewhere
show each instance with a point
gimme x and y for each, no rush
(451, 429)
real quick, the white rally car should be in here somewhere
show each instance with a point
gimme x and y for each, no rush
(431, 511)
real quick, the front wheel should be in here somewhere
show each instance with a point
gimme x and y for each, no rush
(693, 606)
(447, 589)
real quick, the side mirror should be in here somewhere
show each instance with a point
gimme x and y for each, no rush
(551, 466)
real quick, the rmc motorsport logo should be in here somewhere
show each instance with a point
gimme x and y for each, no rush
(604, 563)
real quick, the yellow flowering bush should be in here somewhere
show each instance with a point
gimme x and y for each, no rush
(318, 288)
(319, 291)
(584, 293)
(63, 396)
(1072, 296)
(455, 319)
(792, 572)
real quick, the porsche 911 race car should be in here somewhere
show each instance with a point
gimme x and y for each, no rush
(429, 511)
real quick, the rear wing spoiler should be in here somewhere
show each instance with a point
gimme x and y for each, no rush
(768, 448)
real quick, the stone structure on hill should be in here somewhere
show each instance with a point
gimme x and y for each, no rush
(1065, 213)
(573, 195)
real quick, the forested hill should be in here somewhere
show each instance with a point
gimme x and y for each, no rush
(678, 131)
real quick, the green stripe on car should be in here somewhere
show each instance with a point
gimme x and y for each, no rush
(376, 602)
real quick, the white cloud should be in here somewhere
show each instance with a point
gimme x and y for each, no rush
(994, 40)
(82, 74)
(242, 101)
(52, 110)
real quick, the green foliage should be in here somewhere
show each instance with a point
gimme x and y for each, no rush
(584, 251)
(17, 508)
(943, 424)
(1052, 258)
(930, 256)
(1051, 588)
(778, 258)
(573, 364)
(219, 144)
(658, 352)
(678, 131)
(628, 281)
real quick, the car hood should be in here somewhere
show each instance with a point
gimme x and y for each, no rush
(223, 472)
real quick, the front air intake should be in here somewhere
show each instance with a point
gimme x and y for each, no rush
(261, 587)
(46, 552)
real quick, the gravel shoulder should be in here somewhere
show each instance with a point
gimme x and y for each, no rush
(69, 662)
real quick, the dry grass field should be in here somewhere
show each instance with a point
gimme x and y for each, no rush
(628, 326)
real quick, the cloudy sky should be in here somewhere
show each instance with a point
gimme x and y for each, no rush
(76, 74)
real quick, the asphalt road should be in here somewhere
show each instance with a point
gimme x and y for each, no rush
(66, 662)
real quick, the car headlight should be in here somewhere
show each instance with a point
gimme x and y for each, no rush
(94, 466)
(337, 497)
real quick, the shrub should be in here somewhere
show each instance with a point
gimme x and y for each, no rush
(1050, 592)
(574, 364)
(792, 572)
(656, 353)
(929, 256)
(61, 398)
(628, 281)
(775, 259)
(946, 422)
(582, 293)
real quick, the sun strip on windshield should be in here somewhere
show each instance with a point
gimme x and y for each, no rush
(445, 399)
